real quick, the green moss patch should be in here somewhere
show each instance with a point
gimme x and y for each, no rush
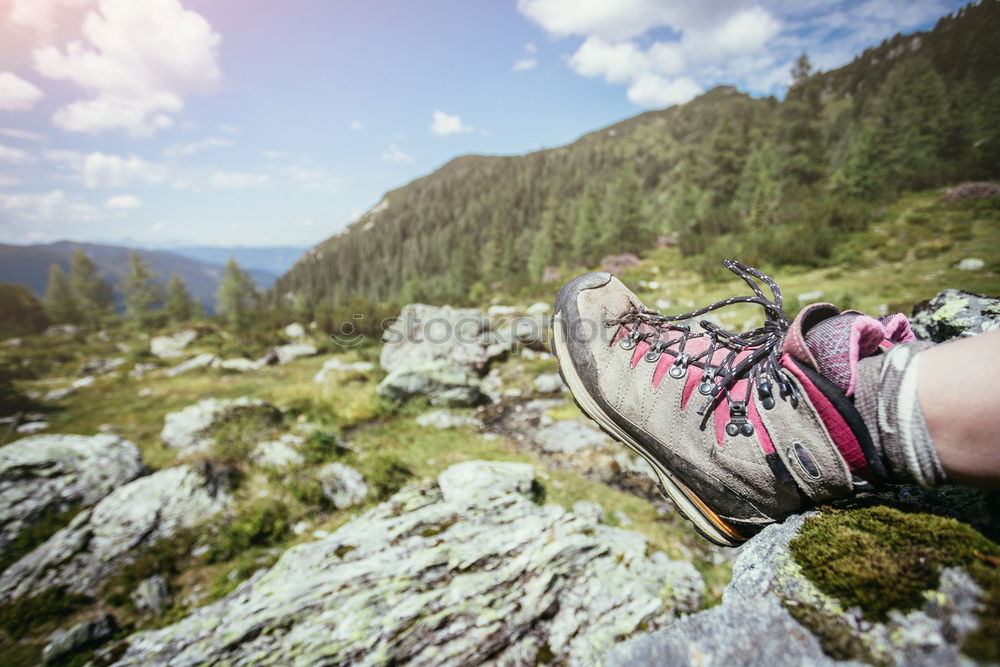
(880, 558)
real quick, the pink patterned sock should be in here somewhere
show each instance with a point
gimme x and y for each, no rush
(839, 343)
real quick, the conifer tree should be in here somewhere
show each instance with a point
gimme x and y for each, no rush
(93, 294)
(237, 297)
(624, 219)
(801, 134)
(61, 305)
(180, 306)
(586, 238)
(142, 295)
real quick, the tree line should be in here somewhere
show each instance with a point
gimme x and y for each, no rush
(85, 298)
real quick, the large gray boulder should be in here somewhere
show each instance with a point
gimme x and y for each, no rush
(955, 313)
(47, 474)
(101, 540)
(757, 609)
(444, 383)
(466, 571)
(189, 430)
(443, 335)
(172, 346)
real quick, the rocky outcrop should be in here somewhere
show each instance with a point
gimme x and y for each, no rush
(427, 335)
(955, 313)
(47, 474)
(771, 596)
(83, 635)
(571, 444)
(100, 541)
(465, 571)
(445, 384)
(172, 346)
(190, 429)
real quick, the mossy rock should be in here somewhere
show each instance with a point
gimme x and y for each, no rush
(882, 558)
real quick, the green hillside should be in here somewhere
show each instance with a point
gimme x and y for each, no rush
(771, 182)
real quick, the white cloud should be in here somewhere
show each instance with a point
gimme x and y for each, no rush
(624, 19)
(158, 227)
(16, 156)
(667, 51)
(122, 203)
(318, 180)
(227, 127)
(25, 135)
(357, 125)
(237, 180)
(393, 154)
(652, 90)
(136, 63)
(16, 94)
(666, 72)
(181, 150)
(529, 61)
(54, 206)
(40, 15)
(100, 169)
(444, 124)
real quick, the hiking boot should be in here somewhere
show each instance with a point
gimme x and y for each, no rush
(742, 429)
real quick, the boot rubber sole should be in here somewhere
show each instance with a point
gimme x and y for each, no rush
(709, 524)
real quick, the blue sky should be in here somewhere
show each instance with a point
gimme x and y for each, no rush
(249, 122)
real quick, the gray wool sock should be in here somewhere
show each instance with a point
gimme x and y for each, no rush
(886, 397)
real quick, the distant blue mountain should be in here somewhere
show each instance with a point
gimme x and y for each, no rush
(273, 259)
(29, 266)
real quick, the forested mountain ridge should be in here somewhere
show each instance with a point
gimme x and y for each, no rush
(29, 266)
(727, 174)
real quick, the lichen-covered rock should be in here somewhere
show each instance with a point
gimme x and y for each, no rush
(445, 384)
(295, 331)
(955, 313)
(172, 346)
(238, 364)
(47, 474)
(83, 635)
(573, 444)
(292, 351)
(440, 576)
(151, 595)
(200, 361)
(446, 336)
(548, 383)
(189, 430)
(341, 485)
(280, 453)
(337, 365)
(773, 595)
(101, 540)
(443, 419)
(570, 436)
